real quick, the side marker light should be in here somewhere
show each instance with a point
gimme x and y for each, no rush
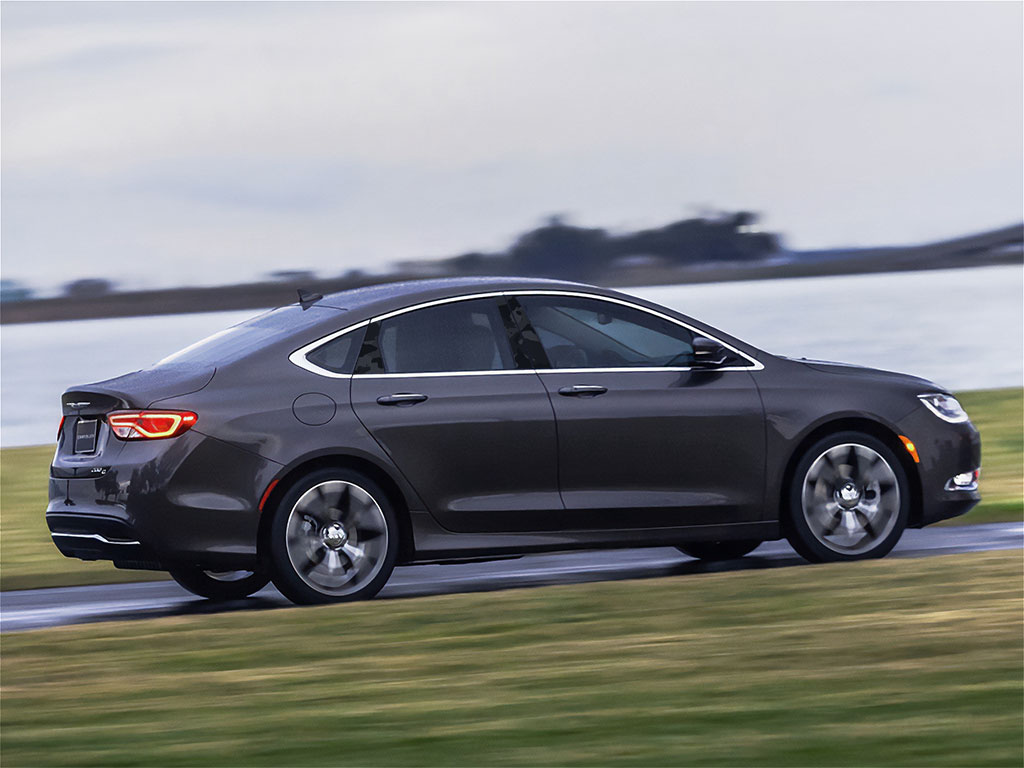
(911, 448)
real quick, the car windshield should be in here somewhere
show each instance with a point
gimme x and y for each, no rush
(249, 335)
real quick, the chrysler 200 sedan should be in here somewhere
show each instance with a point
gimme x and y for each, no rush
(321, 444)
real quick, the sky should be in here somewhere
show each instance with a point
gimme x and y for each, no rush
(202, 143)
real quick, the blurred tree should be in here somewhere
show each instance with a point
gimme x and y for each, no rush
(473, 263)
(294, 275)
(12, 290)
(89, 287)
(721, 237)
(558, 249)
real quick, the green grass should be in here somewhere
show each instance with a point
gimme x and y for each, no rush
(28, 558)
(894, 662)
(999, 415)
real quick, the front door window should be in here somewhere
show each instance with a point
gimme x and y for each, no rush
(589, 333)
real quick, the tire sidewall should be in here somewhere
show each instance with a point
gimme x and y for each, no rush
(198, 582)
(714, 551)
(798, 530)
(283, 574)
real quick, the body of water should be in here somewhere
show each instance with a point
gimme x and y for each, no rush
(962, 328)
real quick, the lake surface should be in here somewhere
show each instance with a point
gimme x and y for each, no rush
(961, 328)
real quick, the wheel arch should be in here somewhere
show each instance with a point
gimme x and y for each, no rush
(867, 426)
(360, 464)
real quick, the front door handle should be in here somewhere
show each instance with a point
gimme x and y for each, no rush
(583, 390)
(402, 398)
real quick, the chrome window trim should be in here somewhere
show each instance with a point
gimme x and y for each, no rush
(435, 374)
(436, 302)
(755, 365)
(298, 357)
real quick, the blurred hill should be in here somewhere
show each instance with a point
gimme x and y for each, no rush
(714, 247)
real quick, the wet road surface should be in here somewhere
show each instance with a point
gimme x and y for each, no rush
(38, 608)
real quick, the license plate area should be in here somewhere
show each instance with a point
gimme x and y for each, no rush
(86, 431)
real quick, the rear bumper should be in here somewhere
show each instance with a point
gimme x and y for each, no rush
(190, 500)
(98, 537)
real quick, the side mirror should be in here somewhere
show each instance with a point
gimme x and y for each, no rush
(708, 353)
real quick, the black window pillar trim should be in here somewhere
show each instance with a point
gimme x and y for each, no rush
(527, 351)
(370, 360)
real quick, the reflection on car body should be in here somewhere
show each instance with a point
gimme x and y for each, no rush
(321, 444)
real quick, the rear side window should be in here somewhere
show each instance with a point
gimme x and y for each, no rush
(454, 337)
(338, 355)
(589, 333)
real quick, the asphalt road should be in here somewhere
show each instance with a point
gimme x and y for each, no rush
(38, 608)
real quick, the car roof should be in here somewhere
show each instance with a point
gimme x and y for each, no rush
(387, 296)
(336, 311)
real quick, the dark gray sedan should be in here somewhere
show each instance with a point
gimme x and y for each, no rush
(323, 443)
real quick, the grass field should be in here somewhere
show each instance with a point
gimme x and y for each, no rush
(905, 662)
(999, 416)
(29, 559)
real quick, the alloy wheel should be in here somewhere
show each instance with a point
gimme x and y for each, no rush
(336, 538)
(850, 498)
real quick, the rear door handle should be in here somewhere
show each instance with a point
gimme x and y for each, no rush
(583, 390)
(401, 398)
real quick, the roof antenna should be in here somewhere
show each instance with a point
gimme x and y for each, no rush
(307, 298)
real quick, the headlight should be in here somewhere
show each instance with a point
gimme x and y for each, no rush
(945, 407)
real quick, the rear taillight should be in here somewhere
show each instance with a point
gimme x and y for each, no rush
(150, 425)
(60, 427)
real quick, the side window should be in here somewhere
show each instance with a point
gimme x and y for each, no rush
(458, 336)
(338, 355)
(589, 333)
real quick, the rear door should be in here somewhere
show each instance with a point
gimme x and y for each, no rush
(645, 439)
(469, 425)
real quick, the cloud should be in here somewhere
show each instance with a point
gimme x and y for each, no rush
(224, 139)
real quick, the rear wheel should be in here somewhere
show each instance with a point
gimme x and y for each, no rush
(219, 585)
(334, 538)
(849, 499)
(719, 550)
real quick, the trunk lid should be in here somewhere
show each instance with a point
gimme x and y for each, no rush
(139, 389)
(85, 438)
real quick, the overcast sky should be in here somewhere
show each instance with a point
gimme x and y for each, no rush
(200, 143)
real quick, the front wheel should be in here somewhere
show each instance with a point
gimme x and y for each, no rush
(849, 499)
(719, 550)
(334, 538)
(219, 585)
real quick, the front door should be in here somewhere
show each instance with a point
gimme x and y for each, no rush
(645, 438)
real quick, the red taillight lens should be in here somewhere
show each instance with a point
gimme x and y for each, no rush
(150, 425)
(60, 427)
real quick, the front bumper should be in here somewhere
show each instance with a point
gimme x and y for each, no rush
(945, 450)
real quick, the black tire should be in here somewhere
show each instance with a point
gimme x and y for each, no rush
(798, 525)
(219, 585)
(719, 550)
(290, 554)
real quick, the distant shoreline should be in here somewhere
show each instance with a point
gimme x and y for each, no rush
(261, 295)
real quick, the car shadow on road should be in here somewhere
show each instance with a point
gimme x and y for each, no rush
(269, 598)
